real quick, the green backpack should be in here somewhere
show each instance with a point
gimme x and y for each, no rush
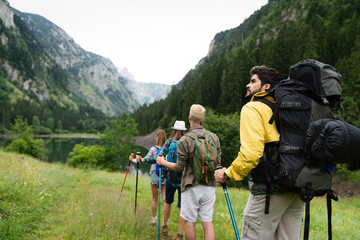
(204, 163)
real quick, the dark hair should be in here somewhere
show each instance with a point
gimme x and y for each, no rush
(177, 134)
(267, 75)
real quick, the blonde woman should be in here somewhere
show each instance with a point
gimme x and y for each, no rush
(150, 158)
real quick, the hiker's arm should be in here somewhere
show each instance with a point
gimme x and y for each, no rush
(252, 138)
(162, 162)
(150, 156)
(166, 146)
(132, 159)
(163, 152)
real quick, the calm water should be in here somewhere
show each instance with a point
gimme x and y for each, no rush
(58, 150)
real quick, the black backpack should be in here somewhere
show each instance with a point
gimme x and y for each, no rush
(312, 92)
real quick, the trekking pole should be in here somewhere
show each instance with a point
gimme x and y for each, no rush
(230, 208)
(137, 173)
(159, 187)
(127, 170)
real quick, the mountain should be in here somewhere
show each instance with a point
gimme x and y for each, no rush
(278, 35)
(44, 73)
(92, 78)
(31, 83)
(145, 93)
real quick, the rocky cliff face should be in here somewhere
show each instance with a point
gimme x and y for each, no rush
(25, 69)
(147, 93)
(6, 15)
(92, 78)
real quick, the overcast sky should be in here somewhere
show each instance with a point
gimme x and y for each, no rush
(156, 40)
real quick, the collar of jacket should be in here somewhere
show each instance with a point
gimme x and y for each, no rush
(196, 127)
(263, 94)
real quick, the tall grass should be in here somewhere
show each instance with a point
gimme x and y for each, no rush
(52, 201)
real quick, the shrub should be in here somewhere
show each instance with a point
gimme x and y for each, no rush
(22, 142)
(87, 157)
(18, 145)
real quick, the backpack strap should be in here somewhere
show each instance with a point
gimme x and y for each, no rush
(207, 135)
(271, 105)
(307, 195)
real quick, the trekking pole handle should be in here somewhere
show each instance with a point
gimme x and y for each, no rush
(222, 184)
(161, 156)
(137, 163)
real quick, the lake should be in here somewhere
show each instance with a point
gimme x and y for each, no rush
(58, 150)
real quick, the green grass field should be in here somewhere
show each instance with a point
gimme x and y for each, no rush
(39, 200)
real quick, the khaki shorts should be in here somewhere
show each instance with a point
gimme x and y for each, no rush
(282, 223)
(198, 203)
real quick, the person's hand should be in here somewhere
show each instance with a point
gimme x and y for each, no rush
(131, 157)
(159, 160)
(139, 158)
(219, 175)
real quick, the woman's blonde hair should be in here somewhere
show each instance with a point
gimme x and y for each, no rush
(160, 138)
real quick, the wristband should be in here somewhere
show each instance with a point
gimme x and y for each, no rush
(226, 177)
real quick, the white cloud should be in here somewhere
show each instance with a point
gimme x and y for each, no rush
(157, 40)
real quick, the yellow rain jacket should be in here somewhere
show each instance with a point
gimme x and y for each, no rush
(255, 131)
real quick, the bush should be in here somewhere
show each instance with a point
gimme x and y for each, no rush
(18, 145)
(22, 142)
(33, 147)
(87, 157)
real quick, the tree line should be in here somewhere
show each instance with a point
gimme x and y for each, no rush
(278, 35)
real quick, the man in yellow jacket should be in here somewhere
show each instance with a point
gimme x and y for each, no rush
(284, 217)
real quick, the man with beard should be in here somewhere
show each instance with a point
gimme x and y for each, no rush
(283, 220)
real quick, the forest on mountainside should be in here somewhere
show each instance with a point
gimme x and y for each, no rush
(34, 87)
(278, 35)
